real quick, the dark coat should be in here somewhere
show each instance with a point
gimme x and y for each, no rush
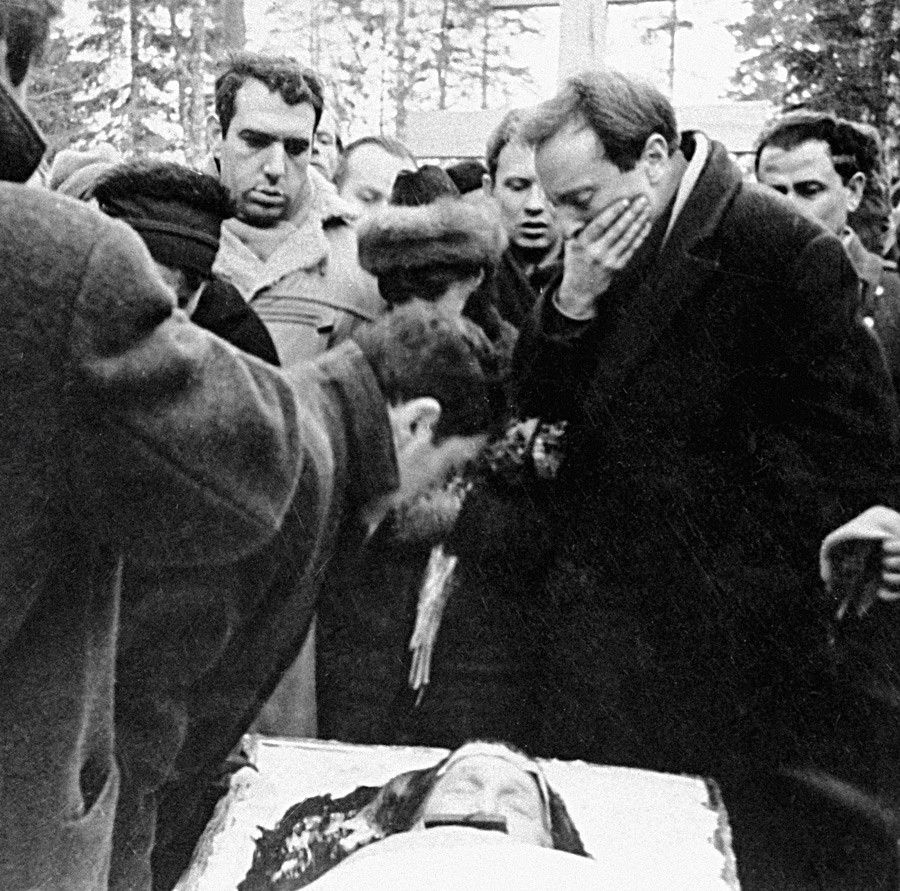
(728, 409)
(222, 310)
(125, 430)
(880, 286)
(203, 649)
(514, 293)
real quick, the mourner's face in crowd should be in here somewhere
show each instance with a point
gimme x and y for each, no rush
(324, 148)
(805, 175)
(580, 181)
(371, 172)
(265, 155)
(481, 784)
(527, 215)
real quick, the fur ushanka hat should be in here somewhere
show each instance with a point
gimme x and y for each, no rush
(446, 232)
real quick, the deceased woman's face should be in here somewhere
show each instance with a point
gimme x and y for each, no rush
(481, 784)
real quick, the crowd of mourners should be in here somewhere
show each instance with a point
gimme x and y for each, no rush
(321, 440)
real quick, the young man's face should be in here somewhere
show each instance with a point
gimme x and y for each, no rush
(265, 155)
(324, 148)
(371, 172)
(526, 213)
(805, 175)
(580, 181)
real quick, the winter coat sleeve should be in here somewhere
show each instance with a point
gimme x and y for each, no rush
(552, 362)
(189, 451)
(825, 384)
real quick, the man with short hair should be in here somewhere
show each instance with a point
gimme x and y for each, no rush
(290, 251)
(178, 212)
(127, 432)
(366, 172)
(727, 408)
(821, 165)
(405, 403)
(532, 258)
(327, 145)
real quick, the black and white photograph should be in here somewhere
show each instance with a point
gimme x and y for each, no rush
(449, 445)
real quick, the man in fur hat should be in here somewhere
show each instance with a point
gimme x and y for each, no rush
(178, 212)
(435, 251)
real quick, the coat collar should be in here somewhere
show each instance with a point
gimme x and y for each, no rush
(866, 264)
(254, 259)
(688, 257)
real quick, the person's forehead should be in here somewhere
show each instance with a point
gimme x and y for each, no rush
(516, 159)
(575, 137)
(372, 164)
(494, 768)
(809, 160)
(256, 107)
(573, 159)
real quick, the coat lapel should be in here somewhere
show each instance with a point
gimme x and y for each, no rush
(689, 258)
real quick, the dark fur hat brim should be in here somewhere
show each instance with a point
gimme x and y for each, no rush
(447, 232)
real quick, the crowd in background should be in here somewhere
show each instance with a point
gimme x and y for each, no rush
(540, 447)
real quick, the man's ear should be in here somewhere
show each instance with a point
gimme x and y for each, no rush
(655, 157)
(855, 187)
(213, 135)
(414, 420)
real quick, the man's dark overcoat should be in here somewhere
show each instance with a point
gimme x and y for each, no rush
(202, 649)
(124, 429)
(728, 409)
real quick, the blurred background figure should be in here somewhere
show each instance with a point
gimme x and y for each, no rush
(327, 145)
(533, 257)
(367, 169)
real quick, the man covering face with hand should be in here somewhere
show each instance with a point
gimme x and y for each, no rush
(727, 408)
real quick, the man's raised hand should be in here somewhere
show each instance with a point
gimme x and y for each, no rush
(600, 250)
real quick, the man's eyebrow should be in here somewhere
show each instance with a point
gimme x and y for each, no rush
(572, 193)
(259, 134)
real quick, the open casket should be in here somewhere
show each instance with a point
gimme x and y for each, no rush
(644, 830)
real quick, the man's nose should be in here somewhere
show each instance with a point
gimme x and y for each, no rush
(535, 201)
(569, 224)
(274, 164)
(486, 801)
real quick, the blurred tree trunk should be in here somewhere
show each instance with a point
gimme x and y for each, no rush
(233, 24)
(196, 131)
(402, 84)
(134, 54)
(443, 54)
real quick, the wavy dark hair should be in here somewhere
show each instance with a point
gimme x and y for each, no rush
(281, 74)
(623, 111)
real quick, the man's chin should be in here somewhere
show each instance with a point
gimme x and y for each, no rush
(263, 215)
(533, 242)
